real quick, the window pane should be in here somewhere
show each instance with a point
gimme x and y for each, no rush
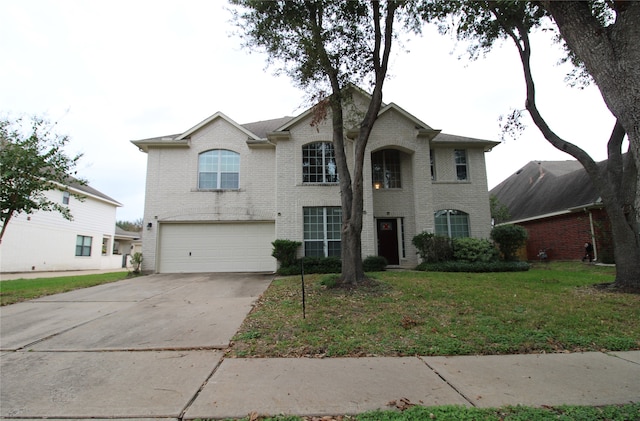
(334, 223)
(322, 231)
(460, 156)
(385, 169)
(229, 180)
(451, 222)
(218, 169)
(318, 163)
(334, 249)
(313, 249)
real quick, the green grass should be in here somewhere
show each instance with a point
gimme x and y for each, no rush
(551, 308)
(17, 290)
(628, 412)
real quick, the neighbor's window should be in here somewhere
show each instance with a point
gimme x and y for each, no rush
(322, 231)
(83, 245)
(65, 198)
(462, 173)
(319, 163)
(219, 169)
(452, 223)
(385, 169)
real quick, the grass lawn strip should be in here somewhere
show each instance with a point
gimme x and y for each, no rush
(628, 412)
(14, 291)
(551, 308)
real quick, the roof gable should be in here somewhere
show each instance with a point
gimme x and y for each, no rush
(212, 118)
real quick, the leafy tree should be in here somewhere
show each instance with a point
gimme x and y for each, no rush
(32, 162)
(325, 46)
(499, 212)
(133, 226)
(509, 239)
(601, 39)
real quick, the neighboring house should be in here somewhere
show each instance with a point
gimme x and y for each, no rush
(126, 244)
(45, 241)
(557, 204)
(220, 193)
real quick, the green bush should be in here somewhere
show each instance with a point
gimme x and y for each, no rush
(312, 265)
(509, 239)
(285, 251)
(469, 249)
(477, 267)
(433, 248)
(374, 263)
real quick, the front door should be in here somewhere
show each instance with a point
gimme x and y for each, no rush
(388, 240)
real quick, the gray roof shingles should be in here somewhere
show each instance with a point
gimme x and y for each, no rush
(545, 187)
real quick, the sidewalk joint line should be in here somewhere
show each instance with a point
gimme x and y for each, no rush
(458, 391)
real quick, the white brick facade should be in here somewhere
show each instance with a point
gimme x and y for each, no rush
(271, 186)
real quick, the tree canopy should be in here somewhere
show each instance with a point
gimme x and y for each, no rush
(601, 39)
(32, 161)
(325, 46)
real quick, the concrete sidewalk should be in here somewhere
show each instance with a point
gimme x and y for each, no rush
(153, 348)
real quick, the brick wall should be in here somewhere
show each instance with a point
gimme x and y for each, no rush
(564, 236)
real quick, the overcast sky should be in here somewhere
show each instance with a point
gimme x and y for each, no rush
(114, 71)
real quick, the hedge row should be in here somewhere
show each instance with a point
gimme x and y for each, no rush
(460, 266)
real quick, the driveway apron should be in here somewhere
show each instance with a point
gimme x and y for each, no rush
(142, 347)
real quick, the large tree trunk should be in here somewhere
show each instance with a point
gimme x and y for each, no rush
(612, 57)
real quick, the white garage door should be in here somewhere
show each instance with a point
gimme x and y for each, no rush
(232, 247)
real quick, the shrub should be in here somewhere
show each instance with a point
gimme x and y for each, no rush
(474, 250)
(312, 265)
(433, 248)
(374, 263)
(478, 267)
(509, 239)
(136, 261)
(285, 251)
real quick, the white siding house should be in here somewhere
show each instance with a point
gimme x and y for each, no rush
(45, 241)
(218, 194)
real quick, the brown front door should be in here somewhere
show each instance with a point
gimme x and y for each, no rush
(388, 240)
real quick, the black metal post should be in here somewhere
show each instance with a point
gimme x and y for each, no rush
(304, 304)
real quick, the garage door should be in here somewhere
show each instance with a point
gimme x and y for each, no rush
(232, 247)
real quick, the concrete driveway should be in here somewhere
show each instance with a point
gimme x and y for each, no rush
(142, 347)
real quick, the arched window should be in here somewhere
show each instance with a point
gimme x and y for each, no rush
(319, 163)
(452, 223)
(385, 169)
(218, 169)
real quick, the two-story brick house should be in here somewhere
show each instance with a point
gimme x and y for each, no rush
(218, 194)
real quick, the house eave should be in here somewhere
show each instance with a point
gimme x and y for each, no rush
(581, 208)
(277, 136)
(260, 144)
(165, 142)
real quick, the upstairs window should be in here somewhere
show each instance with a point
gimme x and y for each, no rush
(219, 169)
(432, 160)
(462, 170)
(65, 197)
(319, 163)
(385, 169)
(452, 223)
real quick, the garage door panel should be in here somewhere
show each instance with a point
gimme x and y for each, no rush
(233, 247)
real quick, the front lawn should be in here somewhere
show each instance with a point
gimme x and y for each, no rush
(17, 290)
(551, 308)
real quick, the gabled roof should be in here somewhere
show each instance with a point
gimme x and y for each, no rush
(543, 188)
(130, 235)
(86, 190)
(261, 128)
(463, 141)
